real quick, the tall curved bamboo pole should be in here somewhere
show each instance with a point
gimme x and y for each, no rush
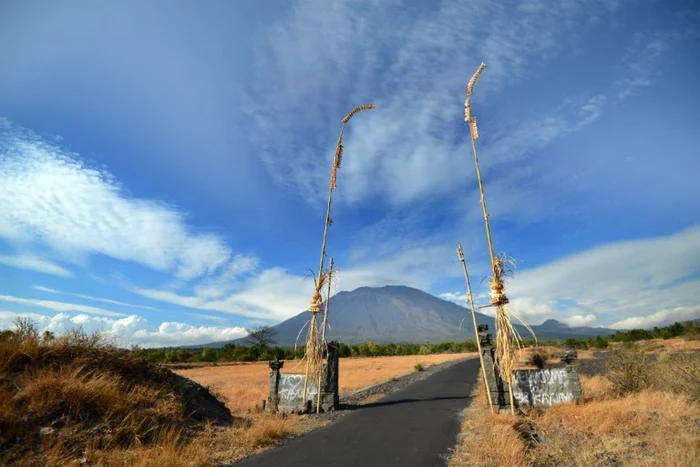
(498, 297)
(460, 253)
(315, 305)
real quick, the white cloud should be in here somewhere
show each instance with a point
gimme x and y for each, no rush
(660, 318)
(34, 263)
(271, 294)
(455, 297)
(131, 329)
(58, 202)
(219, 285)
(422, 64)
(59, 306)
(276, 294)
(90, 297)
(216, 319)
(642, 60)
(580, 320)
(620, 283)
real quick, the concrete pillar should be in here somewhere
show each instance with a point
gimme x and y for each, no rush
(273, 398)
(499, 395)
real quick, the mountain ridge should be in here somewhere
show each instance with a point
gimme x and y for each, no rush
(402, 314)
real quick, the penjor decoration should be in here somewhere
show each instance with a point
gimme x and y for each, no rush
(507, 338)
(314, 347)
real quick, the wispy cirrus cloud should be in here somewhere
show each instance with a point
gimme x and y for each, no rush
(621, 283)
(277, 294)
(59, 306)
(35, 263)
(77, 211)
(416, 69)
(41, 288)
(643, 58)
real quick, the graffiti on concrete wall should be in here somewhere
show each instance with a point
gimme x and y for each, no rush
(291, 389)
(544, 388)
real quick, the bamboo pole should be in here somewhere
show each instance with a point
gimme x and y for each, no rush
(315, 305)
(495, 266)
(323, 332)
(460, 253)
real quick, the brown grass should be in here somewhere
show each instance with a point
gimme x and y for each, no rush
(94, 394)
(651, 426)
(244, 386)
(663, 346)
(108, 406)
(214, 446)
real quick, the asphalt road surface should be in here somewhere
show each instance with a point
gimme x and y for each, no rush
(415, 426)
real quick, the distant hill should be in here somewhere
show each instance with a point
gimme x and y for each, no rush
(402, 314)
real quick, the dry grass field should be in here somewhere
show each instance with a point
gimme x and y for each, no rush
(641, 413)
(243, 386)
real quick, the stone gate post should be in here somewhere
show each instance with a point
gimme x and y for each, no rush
(273, 399)
(498, 396)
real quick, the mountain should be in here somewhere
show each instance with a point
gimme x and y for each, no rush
(402, 314)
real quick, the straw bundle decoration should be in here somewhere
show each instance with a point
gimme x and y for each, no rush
(314, 351)
(326, 310)
(354, 111)
(507, 338)
(336, 162)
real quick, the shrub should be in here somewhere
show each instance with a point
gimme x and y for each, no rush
(419, 367)
(469, 346)
(679, 373)
(599, 342)
(629, 370)
(538, 359)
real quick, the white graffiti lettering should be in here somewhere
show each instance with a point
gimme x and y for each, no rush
(544, 399)
(291, 387)
(541, 377)
(542, 388)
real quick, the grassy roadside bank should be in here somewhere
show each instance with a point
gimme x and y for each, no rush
(642, 410)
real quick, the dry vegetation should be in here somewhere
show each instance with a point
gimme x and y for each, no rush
(245, 385)
(642, 412)
(79, 398)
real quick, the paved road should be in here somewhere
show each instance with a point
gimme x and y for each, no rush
(415, 426)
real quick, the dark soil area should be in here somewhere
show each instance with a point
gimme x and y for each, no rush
(593, 366)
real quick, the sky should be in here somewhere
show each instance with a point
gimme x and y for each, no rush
(164, 165)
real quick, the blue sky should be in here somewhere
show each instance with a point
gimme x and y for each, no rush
(164, 166)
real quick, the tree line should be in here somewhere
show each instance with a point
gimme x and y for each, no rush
(260, 345)
(255, 352)
(687, 329)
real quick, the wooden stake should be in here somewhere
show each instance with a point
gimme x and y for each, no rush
(460, 253)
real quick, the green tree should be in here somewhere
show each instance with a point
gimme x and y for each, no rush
(208, 355)
(344, 351)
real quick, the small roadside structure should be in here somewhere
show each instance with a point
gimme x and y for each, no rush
(287, 389)
(532, 388)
